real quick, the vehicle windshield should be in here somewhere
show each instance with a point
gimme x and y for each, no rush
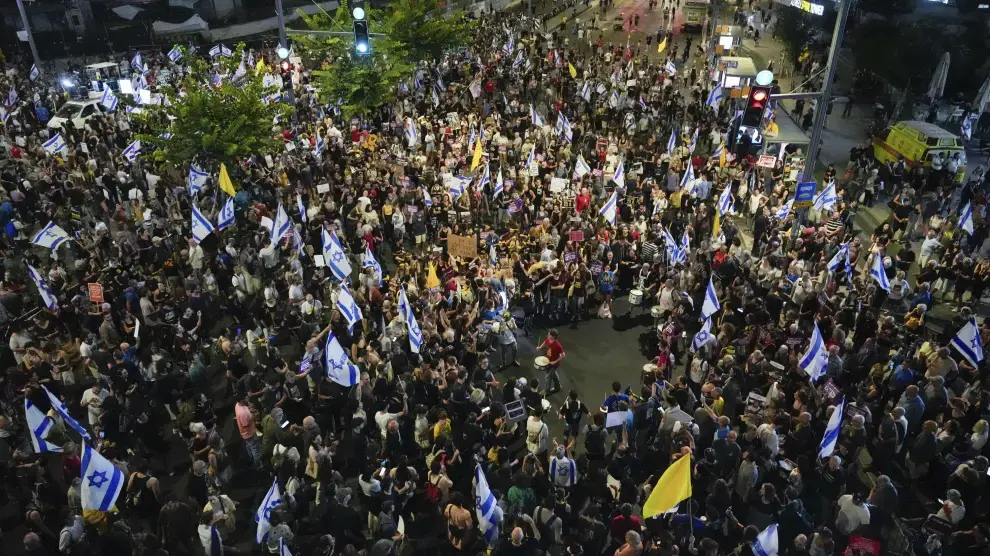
(68, 111)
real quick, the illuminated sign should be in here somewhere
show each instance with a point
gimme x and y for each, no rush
(805, 6)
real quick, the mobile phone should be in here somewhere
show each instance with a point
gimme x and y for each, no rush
(485, 410)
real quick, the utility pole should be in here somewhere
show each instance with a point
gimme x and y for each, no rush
(713, 40)
(821, 112)
(27, 29)
(284, 43)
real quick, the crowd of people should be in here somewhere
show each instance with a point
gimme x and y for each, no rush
(370, 356)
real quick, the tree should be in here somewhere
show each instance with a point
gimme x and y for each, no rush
(795, 29)
(424, 30)
(219, 112)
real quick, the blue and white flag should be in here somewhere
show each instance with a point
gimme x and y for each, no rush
(535, 116)
(348, 307)
(967, 126)
(436, 97)
(566, 469)
(878, 273)
(281, 226)
(499, 185)
(227, 52)
(841, 256)
(457, 187)
(216, 81)
(519, 59)
(132, 151)
(321, 143)
(703, 336)
(39, 425)
(215, 51)
(136, 62)
(510, 46)
(35, 73)
(966, 218)
(613, 99)
(711, 304)
(427, 200)
(201, 226)
(487, 508)
(438, 84)
(411, 135)
(767, 543)
(725, 201)
(51, 236)
(216, 542)
(685, 247)
(718, 150)
(47, 295)
(334, 256)
(564, 127)
(63, 412)
(619, 177)
(226, 216)
(263, 515)
(56, 145)
(101, 481)
(784, 211)
(826, 199)
(642, 104)
(688, 178)
(166, 135)
(12, 96)
(670, 68)
(415, 333)
(586, 91)
(581, 167)
(694, 141)
(302, 208)
(531, 159)
(486, 178)
(339, 366)
(670, 244)
(672, 142)
(610, 209)
(196, 180)
(4, 115)
(283, 548)
(715, 96)
(831, 436)
(815, 359)
(175, 54)
(968, 342)
(370, 262)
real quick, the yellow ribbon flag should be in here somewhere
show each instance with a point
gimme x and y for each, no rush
(716, 224)
(432, 282)
(260, 66)
(476, 159)
(673, 487)
(225, 184)
(572, 70)
(721, 158)
(662, 45)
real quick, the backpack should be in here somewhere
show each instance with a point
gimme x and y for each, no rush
(547, 539)
(432, 491)
(594, 441)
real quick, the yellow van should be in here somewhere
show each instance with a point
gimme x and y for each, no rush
(917, 141)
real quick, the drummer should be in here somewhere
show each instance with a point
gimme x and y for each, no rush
(555, 354)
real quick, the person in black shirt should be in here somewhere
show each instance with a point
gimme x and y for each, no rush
(572, 411)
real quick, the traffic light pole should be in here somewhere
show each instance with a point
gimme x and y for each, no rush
(30, 36)
(284, 43)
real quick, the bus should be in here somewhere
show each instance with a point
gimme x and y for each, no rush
(695, 14)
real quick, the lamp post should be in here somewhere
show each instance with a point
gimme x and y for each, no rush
(30, 37)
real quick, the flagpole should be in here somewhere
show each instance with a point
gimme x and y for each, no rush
(30, 36)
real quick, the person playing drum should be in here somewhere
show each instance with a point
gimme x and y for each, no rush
(555, 354)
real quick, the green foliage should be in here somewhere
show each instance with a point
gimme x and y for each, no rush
(425, 31)
(213, 124)
(795, 29)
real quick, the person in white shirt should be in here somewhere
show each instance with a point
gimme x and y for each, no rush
(852, 514)
(196, 256)
(953, 510)
(537, 434)
(268, 254)
(18, 344)
(92, 400)
(563, 470)
(767, 434)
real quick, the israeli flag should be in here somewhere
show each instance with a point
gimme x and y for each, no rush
(101, 481)
(688, 178)
(715, 96)
(302, 207)
(535, 116)
(711, 304)
(784, 211)
(215, 51)
(348, 307)
(216, 543)
(827, 199)
(619, 177)
(415, 333)
(487, 508)
(47, 295)
(815, 359)
(196, 180)
(411, 135)
(642, 104)
(831, 437)
(581, 168)
(263, 515)
(840, 256)
(669, 243)
(370, 262)
(878, 273)
(685, 246)
(336, 259)
(718, 150)
(570, 472)
(436, 98)
(470, 142)
(670, 68)
(509, 47)
(136, 62)
(175, 54)
(672, 142)
(63, 412)
(321, 143)
(166, 135)
(499, 185)
(224, 51)
(967, 126)
(39, 425)
(216, 81)
(694, 141)
(725, 201)
(529, 64)
(4, 115)
(427, 200)
(439, 83)
(486, 178)
(12, 97)
(703, 336)
(493, 256)
(966, 218)
(51, 236)
(531, 158)
(201, 227)
(132, 151)
(339, 366)
(35, 73)
(564, 127)
(226, 216)
(767, 543)
(968, 343)
(417, 82)
(519, 60)
(613, 99)
(56, 145)
(457, 187)
(610, 209)
(585, 91)
(282, 225)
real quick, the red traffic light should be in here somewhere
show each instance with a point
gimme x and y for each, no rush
(759, 96)
(756, 105)
(286, 66)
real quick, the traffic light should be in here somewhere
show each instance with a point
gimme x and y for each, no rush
(362, 37)
(756, 105)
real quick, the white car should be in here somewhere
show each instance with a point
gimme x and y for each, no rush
(77, 111)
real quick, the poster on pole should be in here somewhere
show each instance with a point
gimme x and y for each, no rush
(95, 292)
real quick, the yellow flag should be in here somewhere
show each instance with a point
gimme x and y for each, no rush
(662, 45)
(716, 225)
(432, 282)
(476, 159)
(260, 66)
(673, 487)
(225, 185)
(570, 68)
(721, 157)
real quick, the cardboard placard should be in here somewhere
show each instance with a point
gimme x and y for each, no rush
(557, 184)
(95, 293)
(576, 235)
(766, 161)
(534, 170)
(465, 247)
(615, 419)
(319, 261)
(323, 188)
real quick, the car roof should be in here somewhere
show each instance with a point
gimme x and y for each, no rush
(930, 130)
(102, 65)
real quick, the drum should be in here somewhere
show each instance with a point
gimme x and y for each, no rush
(650, 368)
(542, 364)
(656, 311)
(636, 297)
(546, 405)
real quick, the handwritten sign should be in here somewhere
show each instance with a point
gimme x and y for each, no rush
(95, 292)
(465, 247)
(323, 188)
(766, 161)
(557, 184)
(576, 235)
